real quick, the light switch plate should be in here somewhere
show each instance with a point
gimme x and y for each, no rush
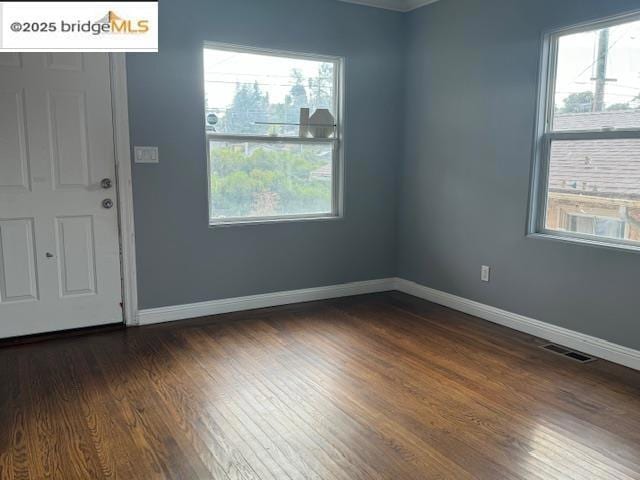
(146, 155)
(485, 273)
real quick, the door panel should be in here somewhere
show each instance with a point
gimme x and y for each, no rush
(17, 261)
(76, 256)
(14, 168)
(67, 130)
(11, 60)
(65, 61)
(60, 253)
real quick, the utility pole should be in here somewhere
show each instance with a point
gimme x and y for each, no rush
(601, 70)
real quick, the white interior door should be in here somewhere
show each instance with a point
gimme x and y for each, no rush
(59, 249)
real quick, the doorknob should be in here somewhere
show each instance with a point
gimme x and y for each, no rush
(48, 255)
(106, 183)
(107, 203)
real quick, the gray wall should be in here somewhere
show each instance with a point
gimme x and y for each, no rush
(180, 259)
(459, 200)
(470, 109)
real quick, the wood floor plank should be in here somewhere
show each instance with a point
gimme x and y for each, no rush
(374, 387)
(210, 397)
(178, 392)
(255, 418)
(146, 415)
(392, 406)
(482, 412)
(303, 388)
(260, 385)
(557, 385)
(477, 388)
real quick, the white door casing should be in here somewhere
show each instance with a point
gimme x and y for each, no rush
(59, 247)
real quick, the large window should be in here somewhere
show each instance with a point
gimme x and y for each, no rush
(273, 135)
(588, 151)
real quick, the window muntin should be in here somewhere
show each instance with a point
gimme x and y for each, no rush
(263, 165)
(589, 143)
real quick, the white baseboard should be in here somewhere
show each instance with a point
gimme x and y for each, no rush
(569, 338)
(214, 307)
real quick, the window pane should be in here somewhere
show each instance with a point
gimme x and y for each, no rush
(252, 94)
(598, 79)
(250, 179)
(594, 188)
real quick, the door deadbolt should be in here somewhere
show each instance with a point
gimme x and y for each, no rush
(106, 183)
(107, 203)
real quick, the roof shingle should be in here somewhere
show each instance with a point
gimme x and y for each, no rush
(608, 168)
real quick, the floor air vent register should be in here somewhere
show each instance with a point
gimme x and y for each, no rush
(565, 352)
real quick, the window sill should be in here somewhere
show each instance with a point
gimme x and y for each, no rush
(558, 237)
(270, 221)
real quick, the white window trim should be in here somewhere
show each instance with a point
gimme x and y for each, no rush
(337, 178)
(544, 136)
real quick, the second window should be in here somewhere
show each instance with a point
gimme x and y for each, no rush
(589, 142)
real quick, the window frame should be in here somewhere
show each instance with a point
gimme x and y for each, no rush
(544, 136)
(337, 142)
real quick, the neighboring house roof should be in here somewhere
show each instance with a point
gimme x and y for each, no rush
(597, 120)
(607, 168)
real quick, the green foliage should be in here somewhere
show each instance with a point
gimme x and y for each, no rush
(249, 105)
(578, 103)
(265, 181)
(583, 103)
(321, 87)
(298, 94)
(619, 107)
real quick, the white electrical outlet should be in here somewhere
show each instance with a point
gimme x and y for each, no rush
(485, 273)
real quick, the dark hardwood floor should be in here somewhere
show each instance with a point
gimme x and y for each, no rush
(373, 387)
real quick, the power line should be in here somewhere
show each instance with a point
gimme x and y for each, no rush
(252, 74)
(226, 59)
(636, 88)
(621, 95)
(600, 56)
(256, 75)
(229, 82)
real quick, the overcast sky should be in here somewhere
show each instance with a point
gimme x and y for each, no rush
(224, 69)
(577, 67)
(578, 58)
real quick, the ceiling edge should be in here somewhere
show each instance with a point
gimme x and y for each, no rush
(412, 4)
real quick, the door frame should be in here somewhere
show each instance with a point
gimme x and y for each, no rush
(123, 181)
